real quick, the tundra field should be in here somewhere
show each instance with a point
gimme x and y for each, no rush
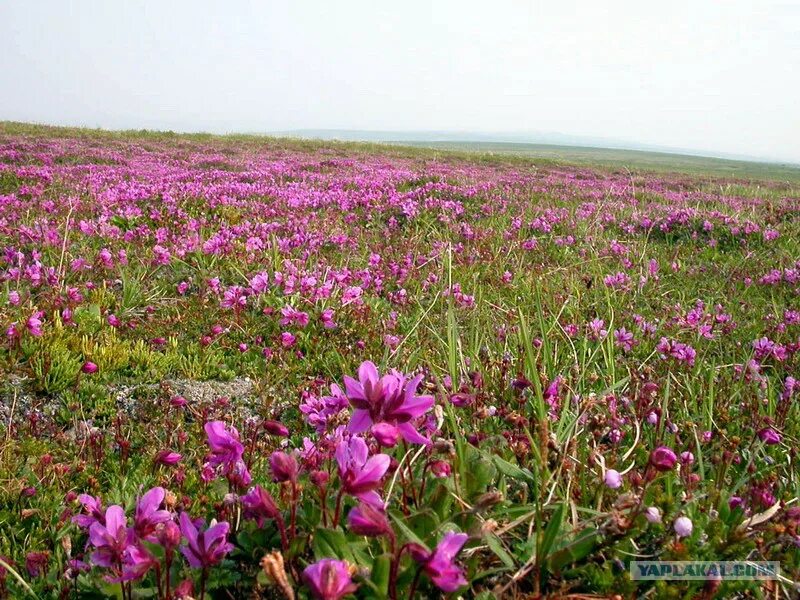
(258, 368)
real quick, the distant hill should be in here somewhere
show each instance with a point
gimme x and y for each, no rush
(570, 149)
(541, 138)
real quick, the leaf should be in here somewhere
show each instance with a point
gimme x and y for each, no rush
(552, 530)
(761, 517)
(379, 576)
(511, 470)
(575, 550)
(496, 546)
(330, 543)
(409, 535)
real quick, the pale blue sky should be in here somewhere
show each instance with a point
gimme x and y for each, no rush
(719, 76)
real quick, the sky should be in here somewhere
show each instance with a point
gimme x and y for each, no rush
(709, 76)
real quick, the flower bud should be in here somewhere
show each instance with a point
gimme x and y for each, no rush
(169, 535)
(683, 526)
(275, 428)
(613, 479)
(368, 520)
(89, 368)
(283, 466)
(663, 459)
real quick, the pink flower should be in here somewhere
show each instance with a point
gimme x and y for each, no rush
(227, 451)
(624, 339)
(167, 458)
(327, 318)
(440, 565)
(234, 297)
(92, 512)
(769, 436)
(283, 466)
(207, 547)
(34, 324)
(329, 579)
(259, 505)
(292, 316)
(148, 514)
(360, 473)
(110, 539)
(287, 339)
(389, 400)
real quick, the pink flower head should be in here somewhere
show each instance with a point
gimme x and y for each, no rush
(440, 564)
(207, 547)
(292, 316)
(34, 324)
(390, 399)
(327, 319)
(148, 514)
(683, 526)
(136, 562)
(227, 450)
(769, 436)
(167, 458)
(329, 579)
(283, 466)
(111, 539)
(92, 512)
(259, 505)
(360, 473)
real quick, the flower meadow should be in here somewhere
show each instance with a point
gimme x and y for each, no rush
(252, 368)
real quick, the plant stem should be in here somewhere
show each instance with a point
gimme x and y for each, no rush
(338, 508)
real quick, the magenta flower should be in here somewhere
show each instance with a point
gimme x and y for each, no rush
(275, 428)
(148, 516)
(329, 579)
(287, 339)
(36, 563)
(227, 450)
(204, 548)
(93, 512)
(440, 564)
(234, 297)
(327, 319)
(112, 539)
(292, 316)
(389, 399)
(136, 562)
(320, 411)
(624, 339)
(769, 436)
(34, 324)
(361, 474)
(224, 442)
